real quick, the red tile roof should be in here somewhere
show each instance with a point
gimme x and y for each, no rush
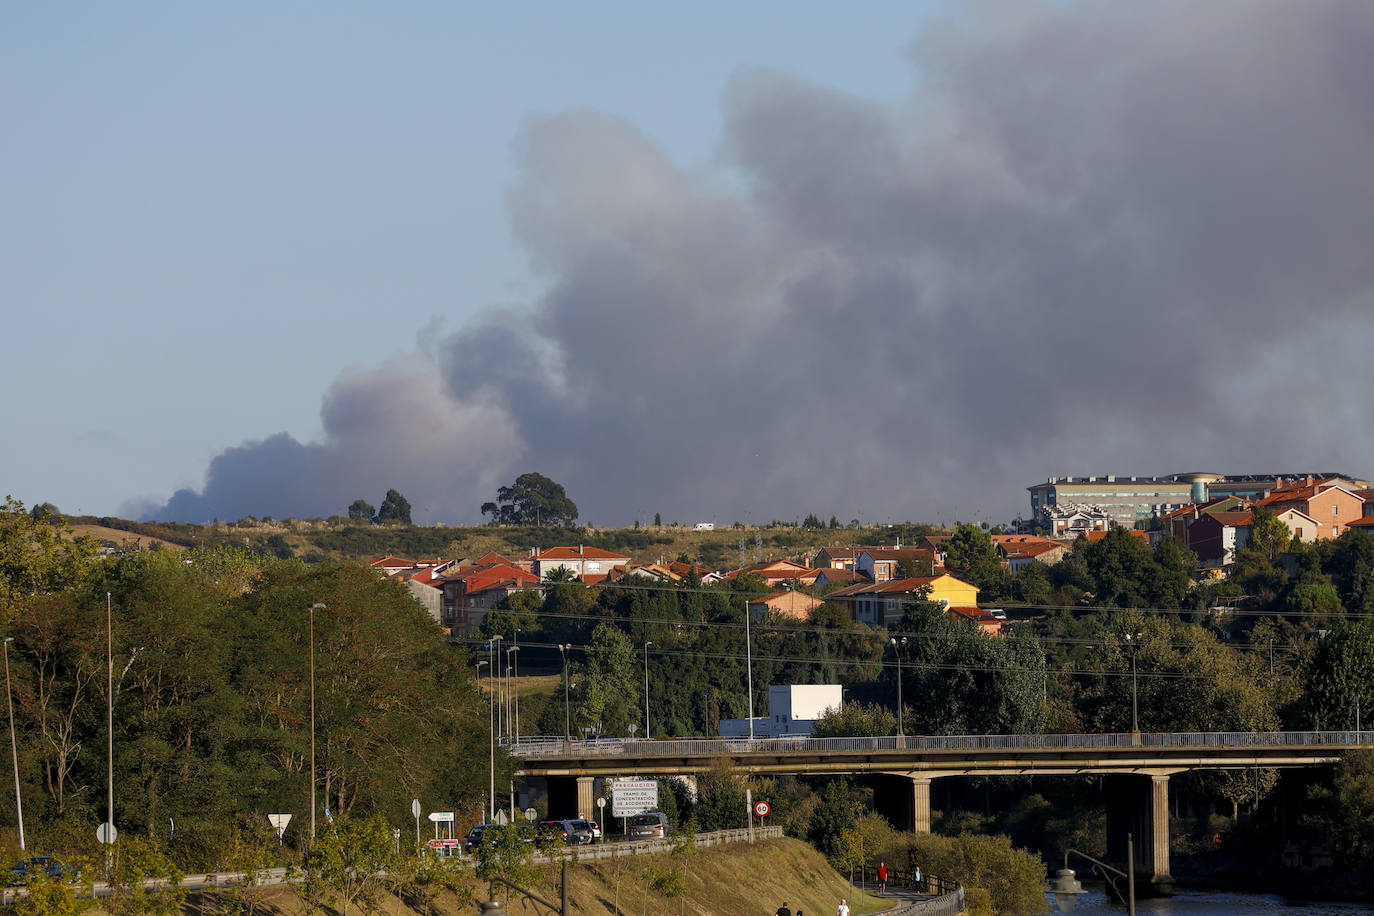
(391, 562)
(1099, 535)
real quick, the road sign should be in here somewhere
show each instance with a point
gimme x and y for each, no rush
(500, 819)
(279, 822)
(761, 808)
(440, 817)
(601, 802)
(106, 833)
(531, 814)
(415, 807)
(633, 796)
(444, 843)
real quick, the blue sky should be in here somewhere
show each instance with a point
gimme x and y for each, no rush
(211, 209)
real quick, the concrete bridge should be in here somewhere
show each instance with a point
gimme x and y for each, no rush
(1137, 767)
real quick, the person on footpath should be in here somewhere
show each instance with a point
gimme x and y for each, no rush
(843, 908)
(783, 910)
(882, 877)
(916, 878)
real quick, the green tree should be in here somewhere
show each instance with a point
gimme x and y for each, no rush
(970, 556)
(360, 510)
(395, 510)
(1269, 536)
(855, 720)
(349, 859)
(533, 500)
(39, 556)
(145, 881)
(1334, 671)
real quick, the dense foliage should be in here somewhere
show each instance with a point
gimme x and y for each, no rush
(210, 665)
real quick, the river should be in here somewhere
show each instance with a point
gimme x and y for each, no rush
(1211, 903)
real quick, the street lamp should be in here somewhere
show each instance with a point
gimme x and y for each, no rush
(14, 746)
(897, 646)
(749, 667)
(1066, 887)
(567, 729)
(513, 714)
(647, 734)
(491, 741)
(313, 609)
(1133, 645)
(494, 653)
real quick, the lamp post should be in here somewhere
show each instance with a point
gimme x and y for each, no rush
(109, 710)
(647, 734)
(1066, 886)
(491, 743)
(567, 706)
(14, 746)
(313, 609)
(1133, 645)
(514, 716)
(897, 646)
(749, 667)
(494, 653)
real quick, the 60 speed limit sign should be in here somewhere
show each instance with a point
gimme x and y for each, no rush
(762, 808)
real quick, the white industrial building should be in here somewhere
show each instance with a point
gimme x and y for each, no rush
(792, 710)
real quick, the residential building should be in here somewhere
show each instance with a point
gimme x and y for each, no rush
(1073, 520)
(1216, 536)
(1332, 503)
(1128, 500)
(835, 558)
(589, 564)
(883, 603)
(776, 572)
(1018, 551)
(470, 591)
(883, 563)
(789, 603)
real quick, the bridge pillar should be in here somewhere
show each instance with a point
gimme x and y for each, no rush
(1139, 805)
(920, 804)
(586, 797)
(904, 799)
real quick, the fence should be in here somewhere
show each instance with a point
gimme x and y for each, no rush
(638, 747)
(947, 896)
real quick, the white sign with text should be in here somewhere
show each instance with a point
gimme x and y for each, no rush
(633, 796)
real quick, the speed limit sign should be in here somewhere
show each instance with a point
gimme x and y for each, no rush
(762, 808)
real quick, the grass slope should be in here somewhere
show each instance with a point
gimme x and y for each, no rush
(732, 880)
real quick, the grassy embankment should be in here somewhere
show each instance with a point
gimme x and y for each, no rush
(732, 880)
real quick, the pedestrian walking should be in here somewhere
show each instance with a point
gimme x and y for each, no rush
(783, 910)
(843, 908)
(916, 878)
(882, 877)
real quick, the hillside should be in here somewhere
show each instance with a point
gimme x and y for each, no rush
(732, 880)
(315, 539)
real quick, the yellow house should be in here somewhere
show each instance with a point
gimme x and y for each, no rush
(882, 603)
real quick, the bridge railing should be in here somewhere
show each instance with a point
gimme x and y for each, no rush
(695, 747)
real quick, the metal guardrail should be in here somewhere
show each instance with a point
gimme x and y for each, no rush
(613, 850)
(947, 896)
(693, 747)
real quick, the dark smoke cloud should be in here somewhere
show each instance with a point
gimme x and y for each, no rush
(1127, 238)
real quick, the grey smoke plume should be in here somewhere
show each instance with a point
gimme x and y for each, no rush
(1128, 238)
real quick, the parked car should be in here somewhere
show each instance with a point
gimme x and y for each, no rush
(648, 826)
(583, 829)
(474, 837)
(25, 869)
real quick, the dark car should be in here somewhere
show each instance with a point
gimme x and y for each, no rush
(564, 831)
(25, 869)
(474, 837)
